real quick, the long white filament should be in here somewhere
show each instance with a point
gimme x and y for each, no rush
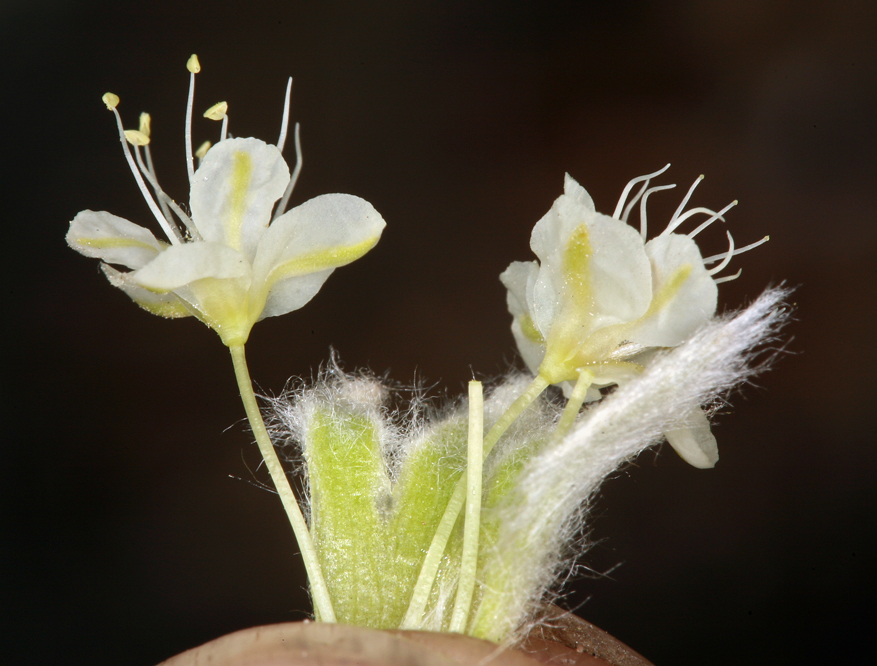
(166, 202)
(284, 201)
(627, 188)
(284, 123)
(190, 159)
(173, 234)
(643, 224)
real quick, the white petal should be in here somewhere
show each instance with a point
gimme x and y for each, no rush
(292, 294)
(694, 442)
(235, 190)
(568, 211)
(307, 243)
(113, 239)
(180, 265)
(620, 272)
(518, 279)
(164, 305)
(577, 193)
(617, 276)
(685, 294)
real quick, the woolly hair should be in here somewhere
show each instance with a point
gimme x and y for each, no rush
(536, 490)
(545, 513)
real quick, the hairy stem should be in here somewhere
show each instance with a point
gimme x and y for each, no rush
(319, 591)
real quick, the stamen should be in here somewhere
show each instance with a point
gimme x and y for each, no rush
(728, 255)
(146, 124)
(164, 200)
(284, 123)
(629, 187)
(136, 138)
(284, 201)
(194, 67)
(170, 230)
(202, 151)
(146, 129)
(674, 221)
(219, 111)
(728, 278)
(741, 250)
(715, 216)
(643, 227)
(632, 202)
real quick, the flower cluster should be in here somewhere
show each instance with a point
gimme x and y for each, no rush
(601, 300)
(460, 521)
(237, 258)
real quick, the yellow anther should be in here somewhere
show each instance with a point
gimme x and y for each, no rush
(193, 65)
(145, 124)
(136, 137)
(110, 100)
(202, 150)
(217, 111)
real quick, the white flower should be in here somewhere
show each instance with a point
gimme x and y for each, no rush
(602, 300)
(233, 265)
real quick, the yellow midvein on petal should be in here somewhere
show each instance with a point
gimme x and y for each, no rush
(669, 290)
(241, 174)
(111, 242)
(560, 360)
(528, 328)
(576, 260)
(174, 310)
(320, 261)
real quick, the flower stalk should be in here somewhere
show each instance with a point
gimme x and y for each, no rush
(319, 591)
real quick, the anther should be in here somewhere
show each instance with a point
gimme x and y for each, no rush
(110, 100)
(202, 150)
(217, 111)
(193, 65)
(145, 124)
(137, 138)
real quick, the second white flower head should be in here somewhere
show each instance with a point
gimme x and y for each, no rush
(601, 298)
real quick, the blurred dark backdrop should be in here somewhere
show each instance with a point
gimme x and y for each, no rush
(131, 526)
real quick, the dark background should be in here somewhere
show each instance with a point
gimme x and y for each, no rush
(131, 526)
